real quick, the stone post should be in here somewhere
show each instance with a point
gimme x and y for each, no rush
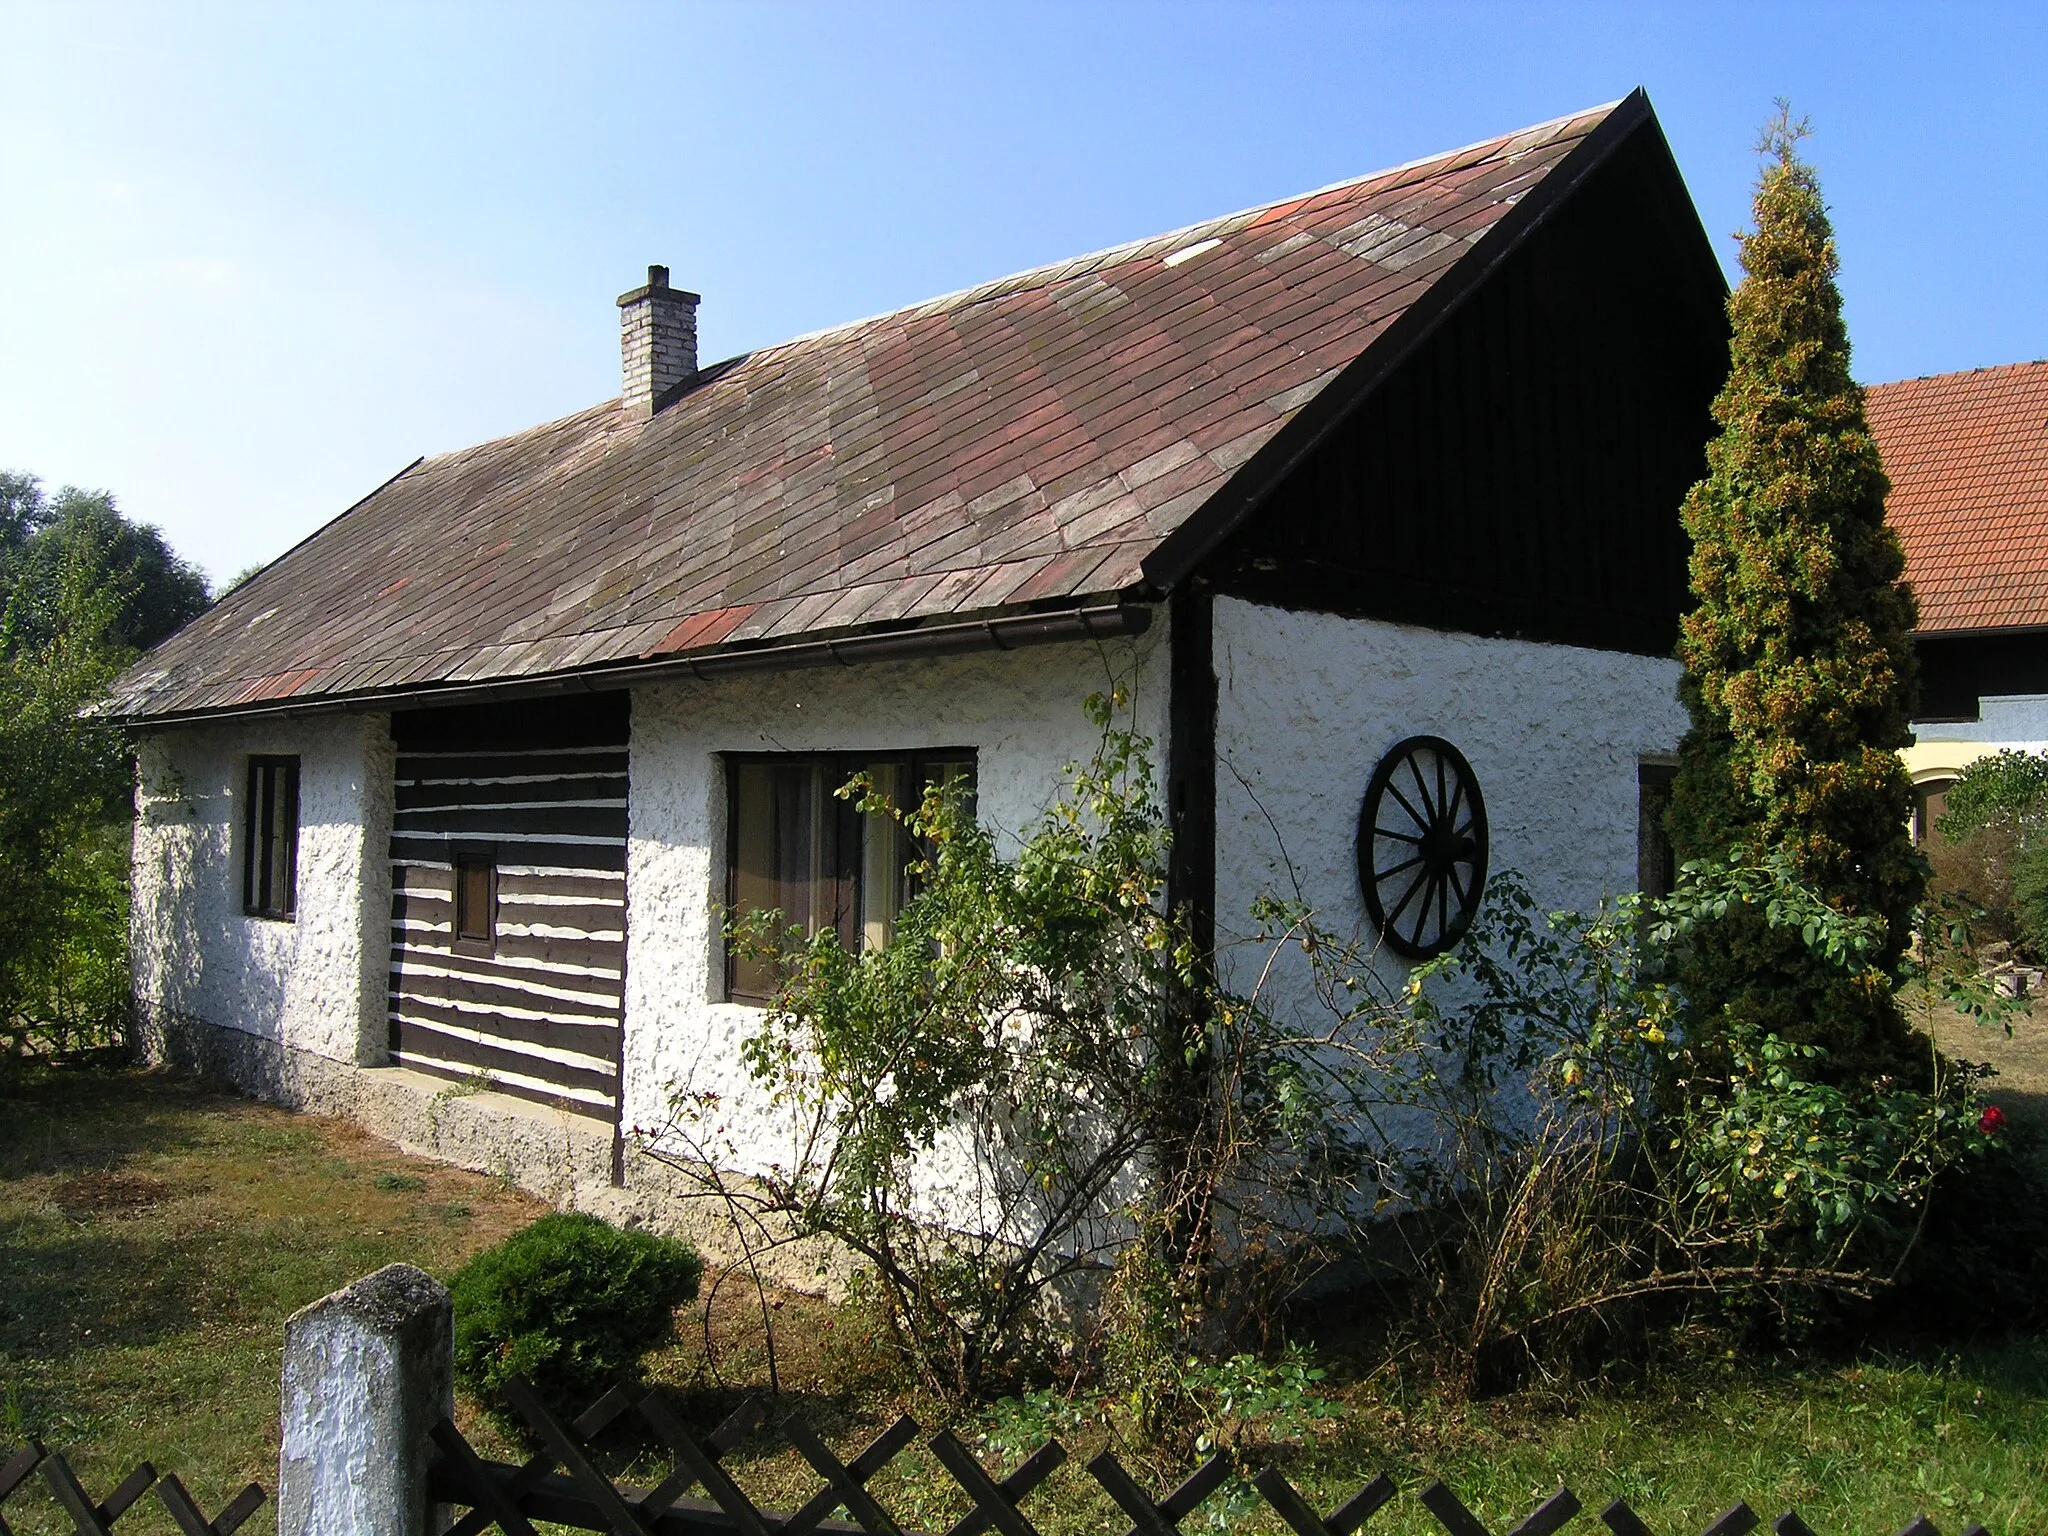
(368, 1372)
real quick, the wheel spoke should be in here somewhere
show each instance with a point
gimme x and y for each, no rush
(1406, 837)
(1422, 789)
(1395, 869)
(1421, 821)
(1409, 895)
(1422, 913)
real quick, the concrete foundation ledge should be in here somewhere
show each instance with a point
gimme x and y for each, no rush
(564, 1159)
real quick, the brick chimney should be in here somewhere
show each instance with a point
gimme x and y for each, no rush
(657, 341)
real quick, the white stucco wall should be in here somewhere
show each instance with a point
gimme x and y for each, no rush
(1022, 713)
(315, 983)
(1309, 703)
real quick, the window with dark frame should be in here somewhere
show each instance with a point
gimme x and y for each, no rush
(1656, 861)
(794, 846)
(270, 842)
(476, 897)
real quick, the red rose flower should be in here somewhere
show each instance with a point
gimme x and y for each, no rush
(1992, 1121)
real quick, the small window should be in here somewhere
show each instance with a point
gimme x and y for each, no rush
(797, 848)
(270, 844)
(476, 897)
(1656, 862)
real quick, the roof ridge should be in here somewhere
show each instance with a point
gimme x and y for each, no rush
(1961, 373)
(1600, 109)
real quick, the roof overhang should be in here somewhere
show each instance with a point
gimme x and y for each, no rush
(1112, 619)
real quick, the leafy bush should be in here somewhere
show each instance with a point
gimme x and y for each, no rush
(570, 1304)
(1992, 851)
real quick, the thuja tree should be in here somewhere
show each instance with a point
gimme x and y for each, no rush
(1798, 662)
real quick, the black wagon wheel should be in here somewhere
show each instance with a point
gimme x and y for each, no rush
(1422, 846)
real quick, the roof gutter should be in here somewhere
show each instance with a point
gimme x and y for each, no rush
(1005, 632)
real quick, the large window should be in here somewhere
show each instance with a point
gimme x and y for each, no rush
(270, 842)
(798, 848)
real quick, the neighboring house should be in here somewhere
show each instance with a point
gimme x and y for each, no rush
(1967, 454)
(455, 793)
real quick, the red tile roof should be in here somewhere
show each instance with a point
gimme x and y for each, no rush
(1967, 454)
(1028, 441)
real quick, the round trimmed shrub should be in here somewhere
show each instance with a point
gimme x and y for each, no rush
(569, 1303)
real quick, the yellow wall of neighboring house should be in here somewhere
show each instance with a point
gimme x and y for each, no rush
(1929, 760)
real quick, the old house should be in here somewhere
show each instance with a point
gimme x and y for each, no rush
(1967, 454)
(1369, 497)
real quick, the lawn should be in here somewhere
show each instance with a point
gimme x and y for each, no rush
(155, 1234)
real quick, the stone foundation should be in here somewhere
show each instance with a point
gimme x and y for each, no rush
(565, 1159)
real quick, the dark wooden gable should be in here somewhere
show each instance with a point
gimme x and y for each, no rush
(1520, 473)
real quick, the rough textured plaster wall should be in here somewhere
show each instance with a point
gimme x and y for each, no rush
(1020, 710)
(315, 984)
(1309, 703)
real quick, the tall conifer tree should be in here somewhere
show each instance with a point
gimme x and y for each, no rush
(1799, 669)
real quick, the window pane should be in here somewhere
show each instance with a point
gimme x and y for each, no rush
(796, 844)
(270, 828)
(882, 858)
(474, 918)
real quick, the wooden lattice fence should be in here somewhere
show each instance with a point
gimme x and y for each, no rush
(96, 1517)
(561, 1484)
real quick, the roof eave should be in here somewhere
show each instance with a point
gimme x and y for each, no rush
(1112, 616)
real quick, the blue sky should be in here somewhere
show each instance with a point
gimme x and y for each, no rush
(259, 257)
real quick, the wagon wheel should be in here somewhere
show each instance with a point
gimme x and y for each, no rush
(1422, 846)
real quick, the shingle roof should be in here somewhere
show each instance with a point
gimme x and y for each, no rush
(1967, 454)
(1033, 439)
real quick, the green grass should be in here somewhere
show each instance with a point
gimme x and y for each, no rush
(154, 1235)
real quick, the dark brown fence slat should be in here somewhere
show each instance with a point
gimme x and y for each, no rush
(78, 1504)
(240, 1508)
(866, 1513)
(1550, 1516)
(133, 1487)
(193, 1523)
(1450, 1513)
(1622, 1521)
(981, 1488)
(601, 1415)
(739, 1424)
(1146, 1517)
(461, 1474)
(1361, 1506)
(874, 1456)
(1789, 1524)
(1031, 1471)
(619, 1520)
(698, 1465)
(15, 1470)
(1737, 1520)
(1287, 1504)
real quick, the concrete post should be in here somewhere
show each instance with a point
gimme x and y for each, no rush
(368, 1372)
